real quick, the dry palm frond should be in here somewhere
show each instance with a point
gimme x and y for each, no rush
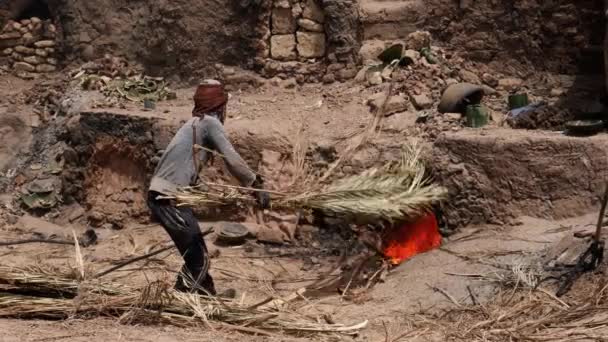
(40, 280)
(398, 190)
(154, 302)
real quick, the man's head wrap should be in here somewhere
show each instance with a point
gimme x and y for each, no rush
(209, 97)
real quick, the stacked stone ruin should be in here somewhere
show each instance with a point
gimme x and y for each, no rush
(29, 46)
(297, 30)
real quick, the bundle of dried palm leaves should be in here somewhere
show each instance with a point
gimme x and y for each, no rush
(396, 191)
(39, 293)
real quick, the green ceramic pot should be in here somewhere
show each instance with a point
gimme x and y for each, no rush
(476, 116)
(518, 101)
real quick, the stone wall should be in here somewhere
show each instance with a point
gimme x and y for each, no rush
(297, 30)
(29, 46)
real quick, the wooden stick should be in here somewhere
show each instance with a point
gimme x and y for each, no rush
(130, 261)
(598, 230)
(23, 242)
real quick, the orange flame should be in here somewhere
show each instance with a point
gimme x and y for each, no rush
(410, 239)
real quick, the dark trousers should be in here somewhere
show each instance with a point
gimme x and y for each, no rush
(182, 227)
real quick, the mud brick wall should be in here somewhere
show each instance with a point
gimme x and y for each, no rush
(29, 46)
(507, 174)
(549, 35)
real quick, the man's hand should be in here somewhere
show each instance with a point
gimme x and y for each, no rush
(262, 197)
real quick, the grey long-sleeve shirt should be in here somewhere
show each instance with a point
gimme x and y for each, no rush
(176, 167)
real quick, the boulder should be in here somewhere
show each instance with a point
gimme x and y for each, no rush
(311, 45)
(283, 47)
(283, 21)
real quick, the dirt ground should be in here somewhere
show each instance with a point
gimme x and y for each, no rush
(273, 115)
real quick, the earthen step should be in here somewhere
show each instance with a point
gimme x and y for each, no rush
(389, 19)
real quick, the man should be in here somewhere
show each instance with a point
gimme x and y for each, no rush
(180, 166)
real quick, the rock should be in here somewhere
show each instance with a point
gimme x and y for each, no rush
(35, 20)
(25, 22)
(556, 92)
(35, 60)
(413, 55)
(347, 74)
(422, 102)
(7, 51)
(290, 83)
(374, 78)
(51, 61)
(395, 104)
(281, 4)
(271, 233)
(489, 80)
(418, 40)
(335, 67)
(88, 52)
(360, 77)
(84, 37)
(387, 72)
(10, 36)
(44, 44)
(42, 228)
(469, 77)
(370, 50)
(283, 47)
(510, 84)
(25, 75)
(309, 25)
(313, 11)
(16, 56)
(453, 116)
(41, 52)
(24, 50)
(76, 212)
(296, 10)
(22, 66)
(44, 68)
(311, 45)
(283, 21)
(329, 78)
(28, 39)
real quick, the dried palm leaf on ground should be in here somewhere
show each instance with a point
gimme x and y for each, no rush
(156, 302)
(522, 311)
(396, 191)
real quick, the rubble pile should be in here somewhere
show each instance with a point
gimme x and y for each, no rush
(30, 46)
(426, 71)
